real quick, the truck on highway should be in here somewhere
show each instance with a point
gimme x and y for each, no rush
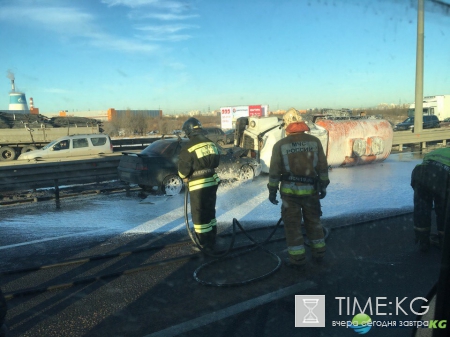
(438, 105)
(346, 140)
(20, 133)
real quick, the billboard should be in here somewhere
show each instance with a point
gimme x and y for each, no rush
(230, 114)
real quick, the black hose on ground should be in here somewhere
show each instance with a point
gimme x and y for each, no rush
(226, 254)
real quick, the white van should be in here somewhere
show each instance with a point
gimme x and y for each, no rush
(72, 146)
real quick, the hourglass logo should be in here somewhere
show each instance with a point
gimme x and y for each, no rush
(310, 311)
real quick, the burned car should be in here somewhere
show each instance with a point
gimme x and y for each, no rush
(156, 167)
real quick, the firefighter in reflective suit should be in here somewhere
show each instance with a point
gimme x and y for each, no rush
(431, 183)
(299, 169)
(196, 165)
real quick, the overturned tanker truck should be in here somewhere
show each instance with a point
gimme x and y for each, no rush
(346, 140)
(20, 133)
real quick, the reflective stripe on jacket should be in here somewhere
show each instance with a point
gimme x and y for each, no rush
(200, 155)
(302, 155)
(195, 184)
(205, 228)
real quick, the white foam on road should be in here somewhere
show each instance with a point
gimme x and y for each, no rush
(51, 239)
(361, 189)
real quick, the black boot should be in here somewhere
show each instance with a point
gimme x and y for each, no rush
(424, 245)
(423, 239)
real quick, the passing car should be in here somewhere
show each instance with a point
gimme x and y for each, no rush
(429, 122)
(156, 167)
(72, 146)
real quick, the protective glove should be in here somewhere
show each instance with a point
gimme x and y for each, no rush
(322, 193)
(273, 198)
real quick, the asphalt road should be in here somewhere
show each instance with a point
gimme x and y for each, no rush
(374, 262)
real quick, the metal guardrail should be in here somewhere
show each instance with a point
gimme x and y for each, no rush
(429, 135)
(126, 142)
(134, 143)
(21, 176)
(18, 176)
(28, 176)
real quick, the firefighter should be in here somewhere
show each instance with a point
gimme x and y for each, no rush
(431, 183)
(196, 165)
(299, 169)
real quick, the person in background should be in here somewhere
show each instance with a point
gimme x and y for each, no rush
(64, 145)
(197, 161)
(431, 183)
(299, 169)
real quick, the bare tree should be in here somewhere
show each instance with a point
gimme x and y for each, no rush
(116, 125)
(110, 129)
(133, 123)
(138, 124)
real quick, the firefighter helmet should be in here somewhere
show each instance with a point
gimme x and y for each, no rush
(291, 116)
(191, 125)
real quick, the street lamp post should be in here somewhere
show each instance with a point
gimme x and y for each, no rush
(418, 113)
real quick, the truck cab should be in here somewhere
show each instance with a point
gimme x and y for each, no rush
(438, 105)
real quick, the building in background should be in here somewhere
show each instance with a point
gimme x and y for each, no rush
(113, 113)
(17, 100)
(101, 115)
(105, 115)
(33, 109)
(18, 105)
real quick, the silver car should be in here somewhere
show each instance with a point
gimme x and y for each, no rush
(72, 146)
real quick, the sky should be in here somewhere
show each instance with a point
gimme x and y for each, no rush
(183, 55)
(355, 194)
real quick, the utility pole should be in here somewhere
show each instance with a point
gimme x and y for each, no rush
(418, 113)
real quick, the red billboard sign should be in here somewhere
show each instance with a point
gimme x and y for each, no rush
(255, 110)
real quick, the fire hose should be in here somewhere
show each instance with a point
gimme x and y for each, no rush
(228, 254)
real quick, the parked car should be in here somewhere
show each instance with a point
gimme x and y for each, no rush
(72, 146)
(429, 122)
(216, 135)
(156, 167)
(230, 136)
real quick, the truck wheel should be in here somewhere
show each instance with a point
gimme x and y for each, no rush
(28, 148)
(7, 153)
(172, 185)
